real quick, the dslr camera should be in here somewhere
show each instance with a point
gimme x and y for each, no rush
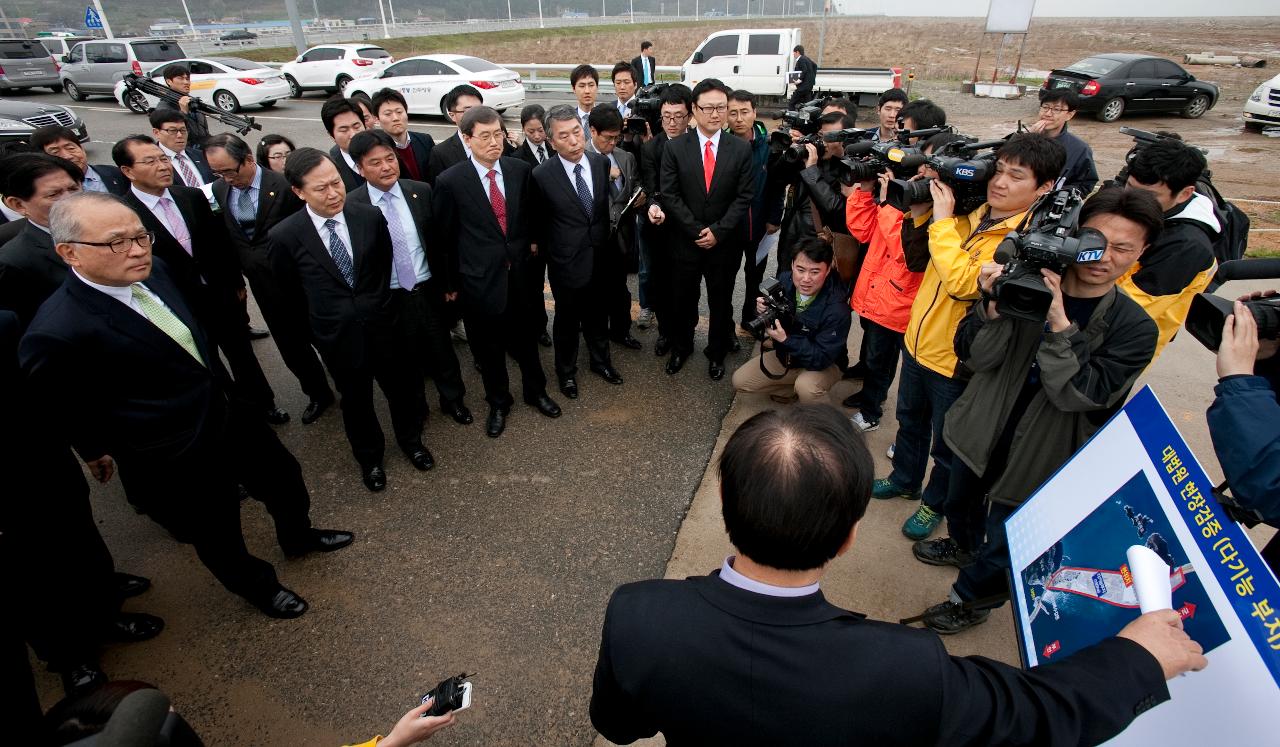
(1052, 240)
(1209, 312)
(778, 307)
(1141, 139)
(965, 166)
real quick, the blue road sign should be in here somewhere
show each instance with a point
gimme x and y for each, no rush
(91, 18)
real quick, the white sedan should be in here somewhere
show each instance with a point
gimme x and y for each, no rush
(424, 81)
(227, 83)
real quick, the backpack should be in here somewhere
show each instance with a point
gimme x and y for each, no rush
(1233, 239)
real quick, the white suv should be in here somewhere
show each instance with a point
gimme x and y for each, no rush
(331, 67)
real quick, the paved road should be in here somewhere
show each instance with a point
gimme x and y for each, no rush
(499, 561)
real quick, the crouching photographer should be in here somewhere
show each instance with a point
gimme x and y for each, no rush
(805, 312)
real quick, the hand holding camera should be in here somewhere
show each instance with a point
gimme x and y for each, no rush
(1240, 346)
(944, 200)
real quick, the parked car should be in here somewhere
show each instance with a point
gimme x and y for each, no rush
(1263, 105)
(238, 35)
(94, 67)
(1112, 84)
(228, 83)
(331, 67)
(61, 44)
(19, 118)
(424, 81)
(25, 63)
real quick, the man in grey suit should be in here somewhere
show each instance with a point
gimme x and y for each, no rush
(624, 180)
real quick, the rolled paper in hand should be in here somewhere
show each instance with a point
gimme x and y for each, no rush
(1150, 579)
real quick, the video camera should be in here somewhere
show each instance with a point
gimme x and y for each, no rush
(778, 306)
(1209, 312)
(646, 106)
(961, 165)
(136, 85)
(1141, 139)
(1052, 240)
(866, 159)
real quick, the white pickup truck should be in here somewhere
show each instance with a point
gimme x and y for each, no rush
(759, 61)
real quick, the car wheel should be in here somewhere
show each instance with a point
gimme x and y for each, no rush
(56, 89)
(136, 102)
(1111, 110)
(73, 91)
(1196, 107)
(226, 101)
(342, 82)
(295, 90)
(268, 104)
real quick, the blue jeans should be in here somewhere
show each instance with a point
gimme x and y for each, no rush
(880, 354)
(924, 397)
(642, 275)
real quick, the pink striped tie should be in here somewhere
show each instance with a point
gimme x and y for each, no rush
(188, 173)
(174, 222)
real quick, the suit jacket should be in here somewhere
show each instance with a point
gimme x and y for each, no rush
(114, 180)
(154, 403)
(30, 271)
(566, 236)
(525, 153)
(345, 319)
(808, 73)
(276, 201)
(760, 670)
(620, 196)
(422, 144)
(685, 198)
(350, 179)
(482, 260)
(419, 197)
(10, 230)
(202, 168)
(447, 153)
(211, 273)
(638, 62)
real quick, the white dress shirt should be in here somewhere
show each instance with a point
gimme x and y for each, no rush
(569, 166)
(340, 229)
(483, 171)
(732, 577)
(416, 251)
(714, 140)
(93, 182)
(123, 293)
(153, 204)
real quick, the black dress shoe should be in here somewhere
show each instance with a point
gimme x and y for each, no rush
(375, 477)
(497, 422)
(545, 340)
(661, 347)
(258, 334)
(277, 416)
(315, 408)
(675, 363)
(545, 405)
(569, 387)
(319, 540)
(82, 678)
(628, 342)
(736, 344)
(608, 373)
(715, 370)
(420, 457)
(283, 605)
(458, 411)
(132, 627)
(129, 585)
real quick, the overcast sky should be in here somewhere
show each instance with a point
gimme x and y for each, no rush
(1086, 8)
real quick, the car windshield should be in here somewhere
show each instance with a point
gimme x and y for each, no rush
(22, 50)
(1094, 66)
(374, 53)
(235, 63)
(475, 65)
(157, 51)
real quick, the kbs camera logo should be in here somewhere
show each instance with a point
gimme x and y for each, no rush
(965, 172)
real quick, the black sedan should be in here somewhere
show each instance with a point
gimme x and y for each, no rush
(18, 119)
(1112, 84)
(238, 35)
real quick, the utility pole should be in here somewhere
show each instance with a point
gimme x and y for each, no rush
(822, 31)
(295, 24)
(508, 10)
(106, 27)
(541, 25)
(392, 9)
(382, 11)
(190, 25)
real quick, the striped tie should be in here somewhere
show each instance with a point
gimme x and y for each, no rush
(338, 251)
(584, 194)
(188, 174)
(168, 322)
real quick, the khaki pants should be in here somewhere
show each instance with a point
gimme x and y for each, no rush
(809, 386)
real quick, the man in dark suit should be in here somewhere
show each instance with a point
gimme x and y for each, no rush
(412, 148)
(253, 201)
(30, 270)
(342, 120)
(646, 66)
(708, 183)
(420, 283)
(656, 235)
(624, 180)
(571, 230)
(337, 253)
(808, 75)
(60, 141)
(169, 129)
(453, 149)
(763, 658)
(483, 216)
(534, 150)
(195, 245)
(161, 410)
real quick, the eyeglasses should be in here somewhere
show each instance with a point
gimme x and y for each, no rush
(673, 118)
(488, 137)
(174, 130)
(120, 246)
(225, 173)
(717, 109)
(1054, 109)
(277, 157)
(149, 162)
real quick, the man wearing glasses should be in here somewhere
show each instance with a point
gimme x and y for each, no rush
(178, 77)
(708, 183)
(453, 149)
(190, 169)
(1057, 107)
(655, 236)
(606, 136)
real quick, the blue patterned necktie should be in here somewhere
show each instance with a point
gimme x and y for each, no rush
(584, 194)
(406, 276)
(245, 213)
(338, 251)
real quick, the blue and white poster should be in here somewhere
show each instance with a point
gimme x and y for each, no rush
(1137, 483)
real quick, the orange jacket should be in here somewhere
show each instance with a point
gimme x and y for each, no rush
(885, 287)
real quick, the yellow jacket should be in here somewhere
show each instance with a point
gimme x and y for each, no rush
(950, 285)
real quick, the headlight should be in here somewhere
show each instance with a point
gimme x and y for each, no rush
(14, 124)
(1258, 93)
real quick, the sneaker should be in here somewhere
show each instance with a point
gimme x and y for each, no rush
(921, 524)
(889, 453)
(952, 617)
(884, 489)
(861, 423)
(943, 551)
(644, 318)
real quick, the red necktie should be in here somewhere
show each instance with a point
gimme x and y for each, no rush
(498, 202)
(708, 165)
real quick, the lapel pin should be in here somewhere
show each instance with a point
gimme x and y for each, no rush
(271, 194)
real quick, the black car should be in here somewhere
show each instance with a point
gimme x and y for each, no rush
(238, 35)
(18, 119)
(1112, 84)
